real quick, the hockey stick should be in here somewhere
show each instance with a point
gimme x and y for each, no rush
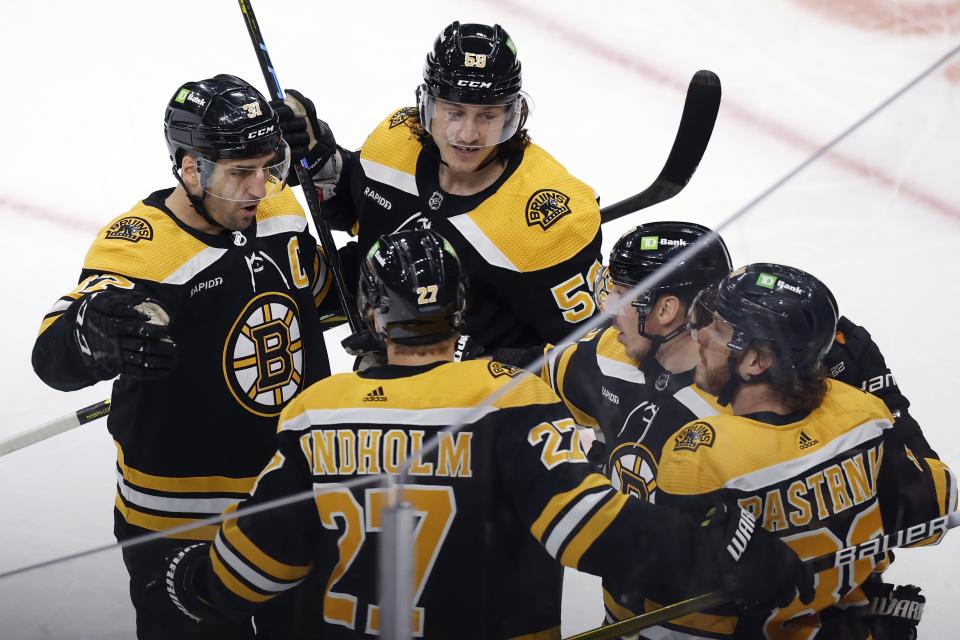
(54, 427)
(841, 558)
(306, 182)
(696, 125)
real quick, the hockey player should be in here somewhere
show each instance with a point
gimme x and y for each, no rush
(461, 163)
(803, 453)
(500, 502)
(203, 299)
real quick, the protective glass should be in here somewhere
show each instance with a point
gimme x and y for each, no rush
(704, 321)
(245, 179)
(617, 292)
(470, 125)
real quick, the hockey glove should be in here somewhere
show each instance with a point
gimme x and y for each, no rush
(182, 566)
(367, 348)
(309, 138)
(753, 565)
(896, 612)
(467, 349)
(124, 332)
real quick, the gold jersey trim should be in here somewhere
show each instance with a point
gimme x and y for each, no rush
(194, 484)
(164, 523)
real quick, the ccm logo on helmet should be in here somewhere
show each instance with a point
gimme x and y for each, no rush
(474, 84)
(260, 132)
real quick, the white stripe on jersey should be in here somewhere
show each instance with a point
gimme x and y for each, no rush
(206, 506)
(693, 401)
(570, 523)
(616, 369)
(249, 573)
(479, 240)
(769, 476)
(441, 417)
(194, 265)
(390, 176)
(61, 306)
(281, 224)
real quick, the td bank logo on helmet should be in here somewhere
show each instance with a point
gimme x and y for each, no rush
(652, 243)
(768, 281)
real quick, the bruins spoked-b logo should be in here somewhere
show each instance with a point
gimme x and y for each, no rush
(263, 356)
(132, 229)
(546, 206)
(693, 436)
(498, 369)
(633, 470)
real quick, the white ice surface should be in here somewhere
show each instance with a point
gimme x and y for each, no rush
(85, 86)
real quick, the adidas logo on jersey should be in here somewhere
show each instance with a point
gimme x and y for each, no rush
(376, 395)
(806, 441)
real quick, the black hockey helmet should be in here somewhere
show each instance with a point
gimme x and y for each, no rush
(220, 118)
(474, 64)
(782, 305)
(412, 288)
(641, 252)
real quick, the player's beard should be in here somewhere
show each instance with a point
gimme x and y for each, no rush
(712, 379)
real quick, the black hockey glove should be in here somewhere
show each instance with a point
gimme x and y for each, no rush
(309, 138)
(179, 580)
(467, 349)
(896, 612)
(753, 566)
(124, 332)
(367, 348)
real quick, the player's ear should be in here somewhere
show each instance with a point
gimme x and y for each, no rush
(669, 310)
(188, 171)
(755, 361)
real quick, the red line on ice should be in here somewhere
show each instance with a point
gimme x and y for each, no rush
(47, 215)
(573, 35)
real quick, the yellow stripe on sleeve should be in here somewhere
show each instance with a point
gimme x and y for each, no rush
(589, 532)
(560, 501)
(255, 556)
(578, 414)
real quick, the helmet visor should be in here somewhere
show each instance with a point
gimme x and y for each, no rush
(245, 179)
(704, 321)
(470, 125)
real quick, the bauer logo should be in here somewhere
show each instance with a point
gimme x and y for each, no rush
(649, 243)
(546, 206)
(182, 95)
(766, 281)
(130, 229)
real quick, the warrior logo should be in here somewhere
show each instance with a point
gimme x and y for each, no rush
(397, 119)
(546, 206)
(252, 109)
(132, 229)
(498, 369)
(693, 436)
(633, 470)
(263, 356)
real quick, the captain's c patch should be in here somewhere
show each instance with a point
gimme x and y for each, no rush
(132, 229)
(546, 206)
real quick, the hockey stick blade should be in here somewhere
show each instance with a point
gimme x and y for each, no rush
(696, 126)
(843, 557)
(54, 427)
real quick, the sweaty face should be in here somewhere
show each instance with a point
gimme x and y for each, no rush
(234, 188)
(626, 320)
(713, 371)
(467, 134)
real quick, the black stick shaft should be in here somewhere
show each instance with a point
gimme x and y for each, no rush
(306, 182)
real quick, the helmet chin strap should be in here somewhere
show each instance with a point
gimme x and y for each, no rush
(649, 358)
(195, 201)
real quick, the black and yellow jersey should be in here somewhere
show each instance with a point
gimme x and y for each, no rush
(529, 243)
(246, 321)
(500, 504)
(812, 480)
